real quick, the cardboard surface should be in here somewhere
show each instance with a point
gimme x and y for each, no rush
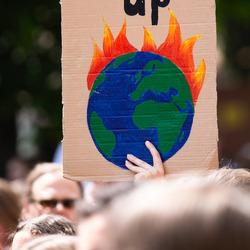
(84, 21)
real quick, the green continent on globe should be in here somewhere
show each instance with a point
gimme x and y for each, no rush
(165, 116)
(104, 138)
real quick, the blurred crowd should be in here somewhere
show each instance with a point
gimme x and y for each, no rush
(208, 211)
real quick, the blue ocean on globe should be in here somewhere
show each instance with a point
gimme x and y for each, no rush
(137, 97)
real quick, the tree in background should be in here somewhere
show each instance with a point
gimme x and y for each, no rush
(30, 79)
(233, 26)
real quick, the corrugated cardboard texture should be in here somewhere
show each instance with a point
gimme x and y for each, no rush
(82, 22)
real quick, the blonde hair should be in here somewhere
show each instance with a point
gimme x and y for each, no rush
(182, 217)
(39, 170)
(232, 177)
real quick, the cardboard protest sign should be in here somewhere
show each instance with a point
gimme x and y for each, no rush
(135, 71)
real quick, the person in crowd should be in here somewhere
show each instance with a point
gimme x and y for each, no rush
(52, 242)
(93, 226)
(46, 224)
(160, 215)
(47, 192)
(233, 177)
(10, 210)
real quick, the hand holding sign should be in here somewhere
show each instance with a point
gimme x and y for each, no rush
(142, 169)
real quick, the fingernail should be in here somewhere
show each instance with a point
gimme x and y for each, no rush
(129, 156)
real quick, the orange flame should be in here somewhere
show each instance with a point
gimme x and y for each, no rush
(180, 53)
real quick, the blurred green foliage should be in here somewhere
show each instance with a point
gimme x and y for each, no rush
(233, 29)
(30, 70)
(30, 75)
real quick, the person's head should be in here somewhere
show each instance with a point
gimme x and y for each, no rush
(199, 216)
(52, 242)
(10, 209)
(39, 226)
(93, 226)
(47, 192)
(232, 177)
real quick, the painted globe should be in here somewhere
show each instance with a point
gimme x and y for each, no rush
(137, 97)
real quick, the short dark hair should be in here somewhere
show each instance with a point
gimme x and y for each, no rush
(45, 225)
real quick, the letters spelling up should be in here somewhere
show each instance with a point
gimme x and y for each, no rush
(139, 8)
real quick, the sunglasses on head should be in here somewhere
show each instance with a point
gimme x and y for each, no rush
(52, 203)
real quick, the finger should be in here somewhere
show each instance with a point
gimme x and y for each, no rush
(156, 156)
(138, 162)
(141, 177)
(133, 168)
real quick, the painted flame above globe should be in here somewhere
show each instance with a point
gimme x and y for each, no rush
(142, 95)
